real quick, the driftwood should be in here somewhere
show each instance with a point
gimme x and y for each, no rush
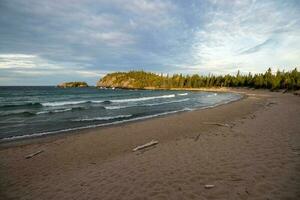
(197, 137)
(217, 124)
(270, 103)
(297, 92)
(149, 144)
(34, 154)
(209, 186)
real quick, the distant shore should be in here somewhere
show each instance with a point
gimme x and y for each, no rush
(241, 90)
(205, 89)
(246, 149)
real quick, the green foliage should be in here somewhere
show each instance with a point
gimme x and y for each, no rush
(140, 79)
(73, 84)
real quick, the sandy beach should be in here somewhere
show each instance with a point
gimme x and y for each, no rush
(248, 149)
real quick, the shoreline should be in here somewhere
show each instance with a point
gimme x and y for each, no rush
(203, 89)
(254, 157)
(28, 138)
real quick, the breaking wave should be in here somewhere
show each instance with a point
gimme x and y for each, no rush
(102, 118)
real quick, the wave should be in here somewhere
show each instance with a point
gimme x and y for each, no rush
(142, 98)
(182, 94)
(149, 104)
(102, 118)
(23, 113)
(53, 111)
(212, 95)
(21, 105)
(63, 103)
(167, 102)
(27, 113)
(91, 126)
(59, 110)
(105, 102)
(222, 103)
(52, 104)
(117, 107)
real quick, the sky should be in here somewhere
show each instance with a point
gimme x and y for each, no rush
(45, 42)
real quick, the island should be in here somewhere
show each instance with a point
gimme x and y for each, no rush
(72, 84)
(125, 80)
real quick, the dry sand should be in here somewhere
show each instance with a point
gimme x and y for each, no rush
(257, 157)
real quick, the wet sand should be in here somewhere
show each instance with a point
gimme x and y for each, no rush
(257, 156)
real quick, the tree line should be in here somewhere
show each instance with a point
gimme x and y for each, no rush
(279, 80)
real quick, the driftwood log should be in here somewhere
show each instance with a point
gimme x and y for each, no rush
(217, 124)
(197, 137)
(149, 144)
(209, 186)
(34, 154)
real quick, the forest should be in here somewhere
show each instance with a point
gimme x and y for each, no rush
(289, 80)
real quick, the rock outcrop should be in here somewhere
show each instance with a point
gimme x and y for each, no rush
(72, 84)
(118, 80)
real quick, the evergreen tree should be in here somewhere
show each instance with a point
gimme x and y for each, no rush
(141, 79)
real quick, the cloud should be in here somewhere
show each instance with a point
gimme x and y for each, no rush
(29, 68)
(258, 47)
(22, 61)
(85, 39)
(143, 7)
(114, 38)
(233, 27)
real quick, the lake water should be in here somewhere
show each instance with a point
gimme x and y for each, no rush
(35, 111)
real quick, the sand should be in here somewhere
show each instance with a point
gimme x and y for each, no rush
(256, 157)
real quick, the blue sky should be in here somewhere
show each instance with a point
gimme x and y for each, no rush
(44, 42)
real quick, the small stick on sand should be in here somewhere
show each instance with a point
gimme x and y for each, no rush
(149, 144)
(209, 186)
(218, 124)
(197, 137)
(34, 154)
(270, 103)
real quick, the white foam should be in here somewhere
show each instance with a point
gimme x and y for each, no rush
(116, 107)
(53, 111)
(212, 95)
(149, 104)
(182, 94)
(102, 118)
(167, 102)
(142, 98)
(96, 101)
(62, 103)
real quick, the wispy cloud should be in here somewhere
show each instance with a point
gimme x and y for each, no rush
(85, 39)
(258, 47)
(30, 68)
(247, 35)
(23, 61)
